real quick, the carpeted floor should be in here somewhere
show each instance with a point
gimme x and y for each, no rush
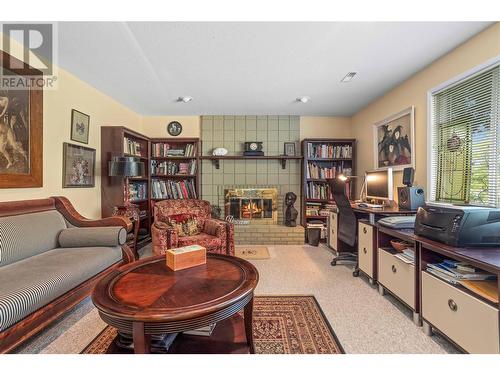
(363, 321)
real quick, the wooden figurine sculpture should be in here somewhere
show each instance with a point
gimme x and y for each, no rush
(290, 213)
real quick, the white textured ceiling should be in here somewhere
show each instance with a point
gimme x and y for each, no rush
(252, 68)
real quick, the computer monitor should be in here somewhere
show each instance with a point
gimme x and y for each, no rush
(379, 185)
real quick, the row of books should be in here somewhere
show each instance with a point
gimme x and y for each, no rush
(407, 255)
(132, 147)
(172, 168)
(318, 209)
(166, 150)
(454, 272)
(170, 189)
(316, 171)
(316, 190)
(315, 150)
(138, 191)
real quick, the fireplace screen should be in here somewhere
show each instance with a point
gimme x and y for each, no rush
(251, 203)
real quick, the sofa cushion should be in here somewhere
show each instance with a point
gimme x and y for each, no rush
(207, 241)
(30, 284)
(26, 235)
(94, 236)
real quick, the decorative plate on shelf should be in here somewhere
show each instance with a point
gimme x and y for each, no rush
(174, 128)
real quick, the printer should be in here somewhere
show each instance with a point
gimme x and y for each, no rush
(459, 226)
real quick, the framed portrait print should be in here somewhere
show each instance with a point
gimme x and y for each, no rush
(394, 141)
(289, 149)
(21, 130)
(78, 166)
(80, 124)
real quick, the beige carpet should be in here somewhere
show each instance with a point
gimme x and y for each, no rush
(250, 252)
(364, 321)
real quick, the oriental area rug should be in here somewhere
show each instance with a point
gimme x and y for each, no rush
(281, 325)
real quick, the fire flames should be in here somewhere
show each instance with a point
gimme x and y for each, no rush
(249, 209)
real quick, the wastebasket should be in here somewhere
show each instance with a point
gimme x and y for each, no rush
(313, 236)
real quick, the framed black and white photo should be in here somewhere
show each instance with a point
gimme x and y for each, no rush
(80, 124)
(78, 166)
(394, 141)
(289, 149)
(174, 128)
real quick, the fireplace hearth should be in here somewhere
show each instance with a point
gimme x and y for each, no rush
(252, 204)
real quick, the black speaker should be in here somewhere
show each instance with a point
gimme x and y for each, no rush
(408, 176)
(410, 198)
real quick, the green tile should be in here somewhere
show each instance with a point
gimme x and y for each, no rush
(251, 124)
(272, 124)
(262, 125)
(261, 136)
(261, 179)
(239, 124)
(218, 136)
(239, 178)
(250, 166)
(206, 135)
(284, 135)
(206, 190)
(251, 135)
(284, 124)
(206, 179)
(272, 136)
(218, 124)
(295, 137)
(229, 179)
(228, 123)
(273, 166)
(207, 148)
(229, 146)
(228, 166)
(228, 135)
(239, 136)
(218, 179)
(239, 147)
(251, 179)
(272, 179)
(273, 148)
(262, 166)
(207, 123)
(239, 166)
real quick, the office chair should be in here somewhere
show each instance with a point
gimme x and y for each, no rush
(348, 223)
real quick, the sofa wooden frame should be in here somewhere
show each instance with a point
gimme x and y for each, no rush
(41, 318)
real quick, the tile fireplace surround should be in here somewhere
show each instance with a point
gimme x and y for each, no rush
(231, 132)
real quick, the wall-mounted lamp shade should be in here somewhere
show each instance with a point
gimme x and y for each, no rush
(126, 166)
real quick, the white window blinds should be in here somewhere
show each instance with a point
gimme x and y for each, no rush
(465, 145)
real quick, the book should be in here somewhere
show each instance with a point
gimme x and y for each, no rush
(204, 331)
(487, 289)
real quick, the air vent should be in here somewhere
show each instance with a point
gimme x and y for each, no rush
(348, 77)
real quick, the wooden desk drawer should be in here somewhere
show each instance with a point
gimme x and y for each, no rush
(470, 322)
(365, 248)
(332, 230)
(397, 276)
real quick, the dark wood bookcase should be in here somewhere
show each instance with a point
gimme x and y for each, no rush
(342, 163)
(113, 143)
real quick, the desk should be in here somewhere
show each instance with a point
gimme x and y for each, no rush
(384, 211)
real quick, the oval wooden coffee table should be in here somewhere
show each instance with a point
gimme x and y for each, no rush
(146, 297)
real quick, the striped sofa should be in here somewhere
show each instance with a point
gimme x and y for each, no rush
(50, 259)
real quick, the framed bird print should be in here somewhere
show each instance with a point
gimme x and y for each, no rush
(80, 124)
(394, 141)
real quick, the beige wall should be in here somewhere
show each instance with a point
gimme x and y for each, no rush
(325, 127)
(477, 50)
(156, 126)
(73, 93)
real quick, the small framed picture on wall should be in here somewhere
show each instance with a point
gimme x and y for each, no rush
(289, 149)
(80, 124)
(78, 166)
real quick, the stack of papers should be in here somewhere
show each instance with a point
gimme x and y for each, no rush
(453, 272)
(407, 256)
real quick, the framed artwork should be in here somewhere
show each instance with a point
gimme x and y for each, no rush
(21, 131)
(78, 166)
(289, 149)
(174, 128)
(394, 141)
(80, 124)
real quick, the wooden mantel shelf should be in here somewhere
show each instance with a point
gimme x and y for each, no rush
(281, 158)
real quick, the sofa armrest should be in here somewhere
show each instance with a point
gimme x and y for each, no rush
(163, 237)
(64, 206)
(93, 237)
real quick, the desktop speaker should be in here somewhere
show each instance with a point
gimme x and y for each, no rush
(408, 176)
(410, 198)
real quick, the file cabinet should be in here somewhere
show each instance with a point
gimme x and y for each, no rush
(333, 225)
(465, 319)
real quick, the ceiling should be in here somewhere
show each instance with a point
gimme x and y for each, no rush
(252, 68)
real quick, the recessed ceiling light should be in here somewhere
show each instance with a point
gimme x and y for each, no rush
(185, 99)
(349, 76)
(303, 99)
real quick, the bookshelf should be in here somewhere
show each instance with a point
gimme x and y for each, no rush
(172, 167)
(323, 159)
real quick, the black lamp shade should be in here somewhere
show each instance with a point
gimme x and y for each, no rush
(126, 166)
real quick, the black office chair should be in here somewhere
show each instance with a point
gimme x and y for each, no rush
(348, 223)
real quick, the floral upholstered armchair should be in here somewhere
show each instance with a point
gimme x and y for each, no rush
(183, 222)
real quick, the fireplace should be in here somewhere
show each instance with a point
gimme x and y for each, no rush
(252, 204)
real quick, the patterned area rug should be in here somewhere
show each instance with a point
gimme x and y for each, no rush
(252, 252)
(282, 325)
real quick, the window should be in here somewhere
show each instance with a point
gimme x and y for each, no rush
(465, 140)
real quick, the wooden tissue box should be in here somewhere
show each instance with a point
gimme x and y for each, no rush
(186, 257)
